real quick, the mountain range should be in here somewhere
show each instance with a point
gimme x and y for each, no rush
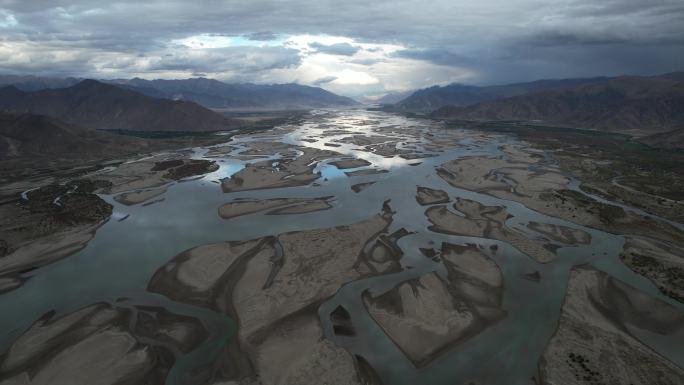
(247, 96)
(651, 108)
(430, 99)
(209, 93)
(97, 105)
(639, 106)
(31, 83)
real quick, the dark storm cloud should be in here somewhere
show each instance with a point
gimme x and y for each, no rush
(235, 59)
(558, 39)
(437, 56)
(343, 49)
(624, 8)
(495, 40)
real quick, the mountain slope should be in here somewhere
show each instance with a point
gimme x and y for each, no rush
(27, 135)
(215, 94)
(668, 139)
(31, 83)
(102, 106)
(392, 97)
(633, 105)
(432, 98)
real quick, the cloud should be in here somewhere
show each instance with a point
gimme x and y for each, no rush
(437, 56)
(262, 36)
(348, 76)
(7, 19)
(367, 61)
(227, 62)
(422, 43)
(324, 80)
(240, 59)
(343, 49)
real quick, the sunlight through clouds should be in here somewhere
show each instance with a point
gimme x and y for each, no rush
(355, 50)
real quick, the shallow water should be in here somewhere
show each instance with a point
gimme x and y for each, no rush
(123, 256)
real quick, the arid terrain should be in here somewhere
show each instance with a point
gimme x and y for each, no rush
(349, 247)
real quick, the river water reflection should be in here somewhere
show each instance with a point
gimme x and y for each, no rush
(122, 257)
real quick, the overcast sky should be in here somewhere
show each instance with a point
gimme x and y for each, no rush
(350, 47)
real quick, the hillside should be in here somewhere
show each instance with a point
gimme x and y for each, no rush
(36, 83)
(392, 97)
(634, 105)
(433, 98)
(668, 139)
(25, 135)
(215, 94)
(102, 106)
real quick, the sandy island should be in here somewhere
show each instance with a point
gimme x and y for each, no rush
(286, 172)
(427, 196)
(592, 345)
(524, 178)
(277, 206)
(429, 315)
(100, 344)
(663, 264)
(53, 222)
(488, 222)
(271, 287)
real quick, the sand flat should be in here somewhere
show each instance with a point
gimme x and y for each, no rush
(268, 285)
(287, 172)
(427, 196)
(97, 344)
(275, 206)
(140, 196)
(370, 171)
(662, 263)
(589, 347)
(428, 315)
(350, 163)
(487, 222)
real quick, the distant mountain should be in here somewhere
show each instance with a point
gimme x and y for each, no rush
(392, 97)
(36, 83)
(206, 92)
(430, 99)
(26, 135)
(97, 105)
(215, 94)
(634, 105)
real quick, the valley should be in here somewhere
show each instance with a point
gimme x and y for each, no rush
(341, 193)
(381, 248)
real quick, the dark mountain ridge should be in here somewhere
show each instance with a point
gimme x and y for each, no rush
(27, 135)
(209, 93)
(30, 83)
(97, 105)
(246, 96)
(633, 105)
(435, 97)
